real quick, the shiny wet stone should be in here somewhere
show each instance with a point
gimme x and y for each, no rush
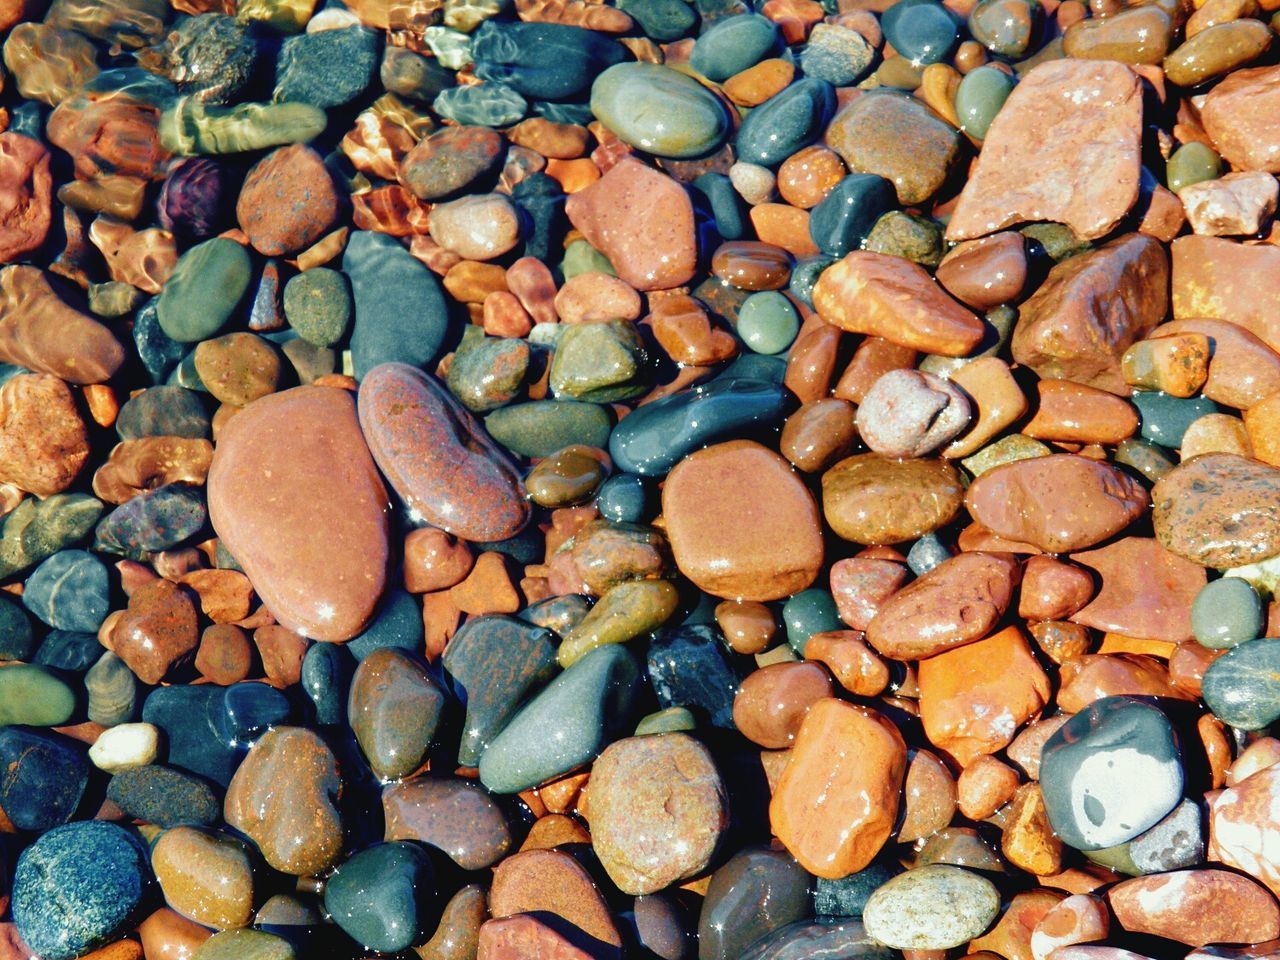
(688, 667)
(164, 796)
(1241, 686)
(381, 896)
(1226, 613)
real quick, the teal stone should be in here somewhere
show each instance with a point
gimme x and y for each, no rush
(384, 279)
(627, 498)
(165, 796)
(576, 113)
(1110, 773)
(1192, 162)
(839, 55)
(327, 68)
(661, 20)
(202, 293)
(481, 105)
(187, 717)
(728, 209)
(908, 235)
(249, 710)
(568, 724)
(670, 720)
(488, 374)
(158, 352)
(1242, 687)
(655, 437)
(33, 696)
(539, 428)
(189, 127)
(1149, 459)
(804, 276)
(924, 33)
(15, 632)
(495, 662)
(163, 411)
(785, 123)
(543, 61)
(69, 591)
(582, 257)
(154, 520)
(979, 98)
(1226, 613)
(1165, 418)
(1008, 28)
(760, 367)
(77, 886)
(733, 44)
(398, 624)
(382, 896)
(327, 669)
(767, 322)
(841, 222)
(317, 305)
(600, 362)
(659, 110)
(37, 529)
(809, 612)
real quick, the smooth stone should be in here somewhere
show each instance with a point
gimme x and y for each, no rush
(1165, 418)
(327, 68)
(152, 521)
(1006, 27)
(871, 499)
(283, 798)
(1226, 613)
(581, 257)
(288, 201)
(587, 706)
(848, 896)
(77, 886)
(687, 667)
(382, 895)
(457, 936)
(45, 778)
(37, 529)
(733, 44)
(326, 675)
(248, 710)
(245, 944)
(767, 322)
(599, 362)
(68, 650)
(624, 498)
(125, 747)
(625, 611)
(845, 217)
(658, 808)
(809, 612)
(1147, 591)
(157, 630)
(1240, 686)
(1218, 510)
(1190, 164)
(819, 940)
(204, 290)
(728, 209)
(981, 94)
(383, 277)
(539, 428)
(454, 816)
(394, 709)
(184, 714)
(756, 892)
(164, 796)
(786, 122)
(1217, 51)
(670, 720)
(163, 411)
(658, 435)
(42, 332)
(1091, 766)
(410, 422)
(1239, 116)
(1135, 36)
(34, 696)
(661, 20)
(553, 884)
(206, 877)
(449, 160)
(488, 374)
(543, 61)
(924, 32)
(189, 127)
(837, 54)
(1176, 842)
(397, 624)
(915, 238)
(69, 591)
(659, 110)
(904, 913)
(1186, 907)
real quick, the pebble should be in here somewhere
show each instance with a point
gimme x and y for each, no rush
(732, 45)
(394, 708)
(323, 577)
(1238, 686)
(1246, 137)
(452, 815)
(871, 499)
(380, 897)
(756, 892)
(552, 882)
(687, 666)
(786, 122)
(1183, 907)
(1191, 505)
(202, 293)
(69, 591)
(658, 809)
(907, 413)
(904, 914)
(32, 695)
(43, 333)
(1237, 204)
(659, 110)
(206, 877)
(125, 747)
(1226, 613)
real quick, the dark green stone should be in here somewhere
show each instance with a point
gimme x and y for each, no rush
(327, 68)
(31, 695)
(1165, 418)
(1242, 687)
(317, 304)
(382, 896)
(787, 122)
(924, 33)
(15, 631)
(327, 669)
(1058, 240)
(1149, 459)
(908, 235)
(494, 663)
(1006, 27)
(687, 668)
(809, 612)
(204, 290)
(733, 44)
(755, 893)
(542, 199)
(164, 796)
(152, 521)
(841, 222)
(657, 436)
(661, 20)
(37, 529)
(627, 498)
(600, 362)
(728, 209)
(979, 98)
(45, 775)
(545, 61)
(163, 411)
(1226, 613)
(805, 274)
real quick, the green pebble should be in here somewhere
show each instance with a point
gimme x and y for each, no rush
(582, 257)
(907, 235)
(661, 20)
(33, 696)
(189, 127)
(670, 720)
(809, 612)
(1149, 459)
(1242, 687)
(1059, 241)
(600, 362)
(541, 427)
(1192, 163)
(317, 304)
(204, 290)
(732, 44)
(1165, 418)
(979, 98)
(488, 374)
(1227, 612)
(659, 110)
(1014, 447)
(767, 322)
(244, 945)
(380, 897)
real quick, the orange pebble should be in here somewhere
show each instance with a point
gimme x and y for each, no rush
(853, 663)
(573, 175)
(784, 226)
(757, 84)
(487, 589)
(807, 176)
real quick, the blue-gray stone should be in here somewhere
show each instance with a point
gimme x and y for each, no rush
(727, 206)
(576, 113)
(546, 61)
(69, 591)
(661, 20)
(542, 198)
(785, 123)
(687, 668)
(152, 521)
(327, 669)
(401, 312)
(808, 612)
(926, 553)
(159, 352)
(1175, 843)
(804, 276)
(1165, 418)
(759, 367)
(1242, 687)
(657, 436)
(481, 105)
(185, 715)
(1110, 773)
(838, 55)
(72, 650)
(246, 710)
(925, 33)
(398, 623)
(45, 775)
(844, 218)
(627, 498)
(382, 897)
(1227, 612)
(659, 110)
(731, 45)
(327, 68)
(78, 885)
(568, 724)
(163, 411)
(15, 631)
